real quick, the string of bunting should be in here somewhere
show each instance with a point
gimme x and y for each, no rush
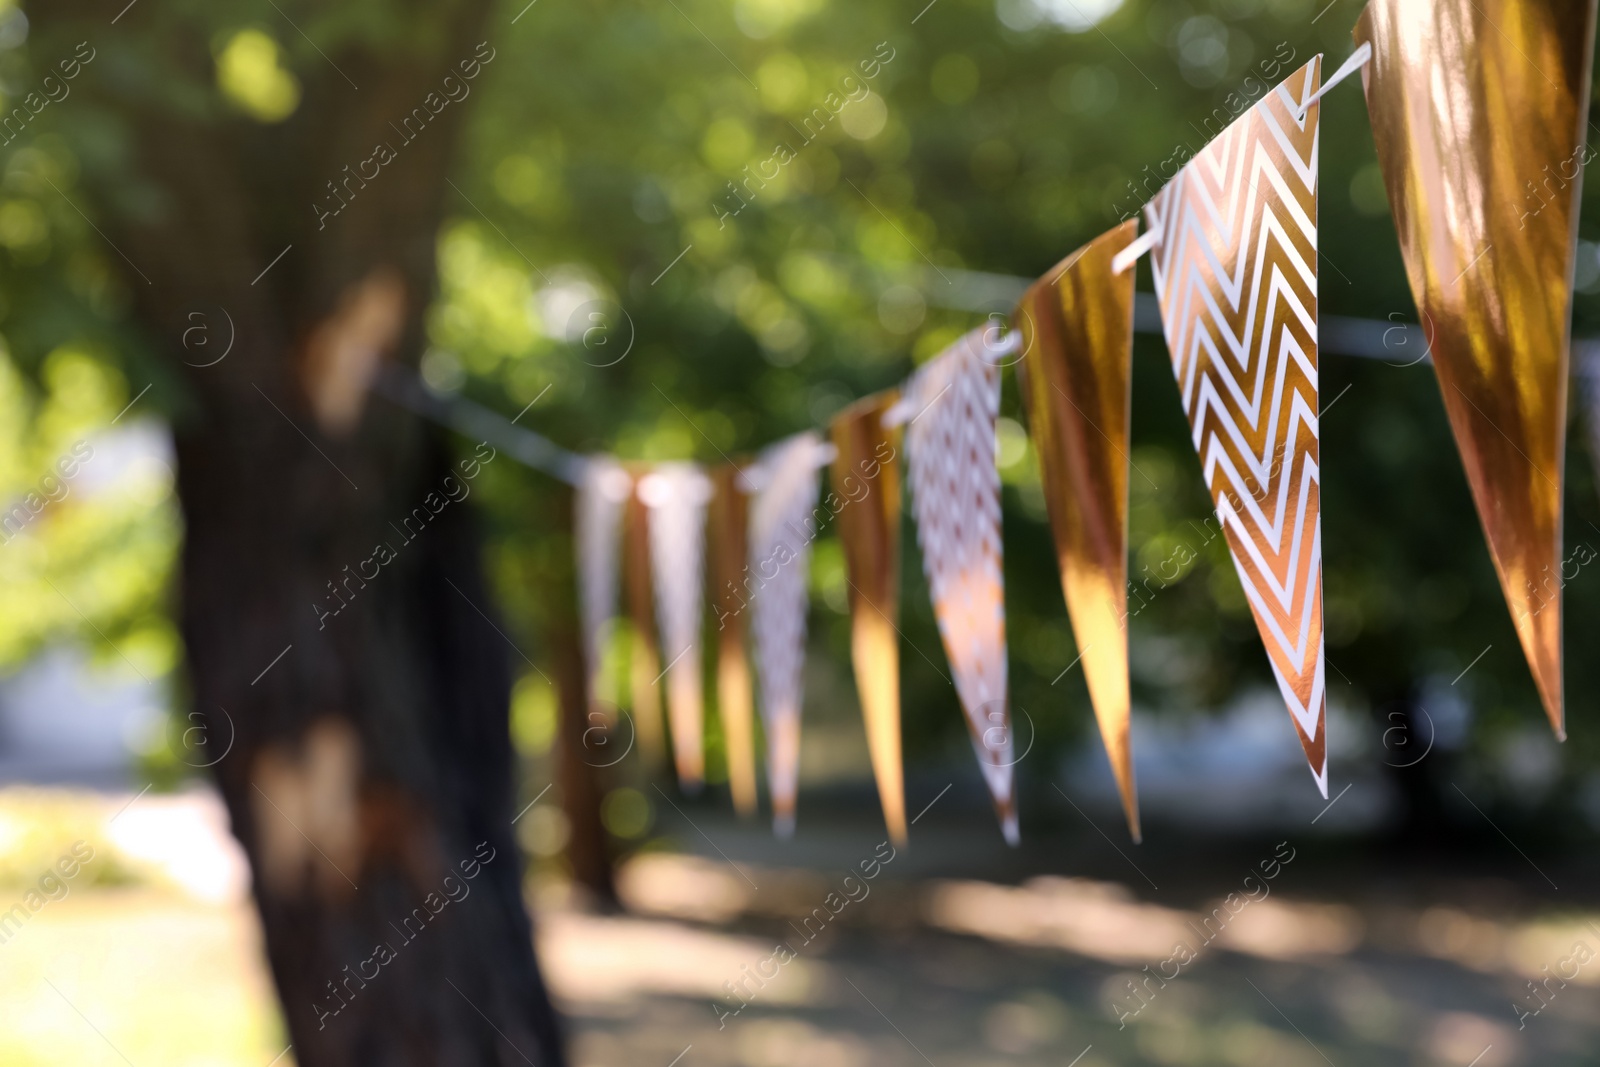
(1471, 129)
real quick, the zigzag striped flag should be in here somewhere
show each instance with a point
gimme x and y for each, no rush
(952, 404)
(676, 494)
(782, 528)
(603, 489)
(1236, 272)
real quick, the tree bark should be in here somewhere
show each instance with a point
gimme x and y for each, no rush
(369, 778)
(591, 740)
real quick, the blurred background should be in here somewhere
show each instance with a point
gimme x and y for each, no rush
(1423, 911)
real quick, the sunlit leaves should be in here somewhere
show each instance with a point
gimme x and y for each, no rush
(87, 556)
(532, 186)
(486, 310)
(251, 74)
(765, 18)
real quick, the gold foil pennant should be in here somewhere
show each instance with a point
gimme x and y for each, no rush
(1076, 327)
(1479, 109)
(866, 477)
(727, 547)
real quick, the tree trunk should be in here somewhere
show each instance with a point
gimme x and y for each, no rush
(331, 596)
(591, 739)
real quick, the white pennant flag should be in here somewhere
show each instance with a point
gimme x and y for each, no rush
(603, 488)
(676, 494)
(952, 405)
(784, 483)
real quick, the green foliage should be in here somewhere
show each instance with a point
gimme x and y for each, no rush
(89, 554)
(38, 831)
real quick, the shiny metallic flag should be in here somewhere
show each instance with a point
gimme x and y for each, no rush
(1076, 326)
(1235, 263)
(728, 534)
(866, 482)
(1479, 109)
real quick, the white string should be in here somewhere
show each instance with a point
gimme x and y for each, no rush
(1006, 345)
(758, 475)
(1358, 59)
(1147, 240)
(1130, 255)
(539, 452)
(899, 413)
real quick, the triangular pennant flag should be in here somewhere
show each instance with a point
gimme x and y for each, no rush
(952, 405)
(1235, 264)
(1479, 109)
(645, 668)
(1076, 327)
(602, 493)
(782, 528)
(728, 533)
(676, 494)
(866, 477)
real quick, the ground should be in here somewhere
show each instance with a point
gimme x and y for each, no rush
(955, 952)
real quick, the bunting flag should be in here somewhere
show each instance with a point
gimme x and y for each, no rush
(602, 493)
(728, 534)
(782, 527)
(645, 654)
(952, 405)
(1076, 326)
(866, 478)
(1479, 109)
(676, 494)
(1235, 263)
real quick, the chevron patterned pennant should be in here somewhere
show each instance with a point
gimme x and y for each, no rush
(1236, 274)
(676, 494)
(951, 405)
(782, 528)
(603, 490)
